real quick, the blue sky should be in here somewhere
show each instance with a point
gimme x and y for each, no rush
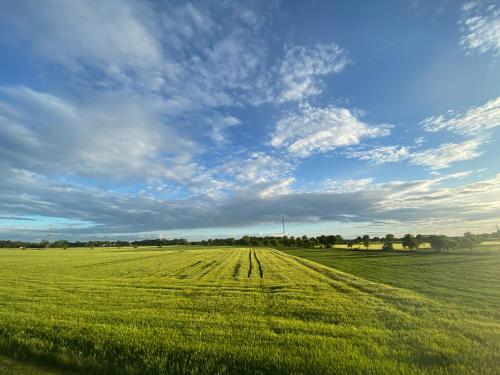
(130, 119)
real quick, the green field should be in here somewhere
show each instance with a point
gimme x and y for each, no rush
(229, 310)
(463, 280)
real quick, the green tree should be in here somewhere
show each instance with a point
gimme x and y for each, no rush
(420, 239)
(388, 242)
(439, 243)
(338, 239)
(63, 244)
(410, 242)
(470, 240)
(366, 241)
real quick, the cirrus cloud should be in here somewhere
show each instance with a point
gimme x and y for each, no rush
(446, 154)
(472, 121)
(480, 26)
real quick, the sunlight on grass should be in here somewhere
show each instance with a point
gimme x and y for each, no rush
(233, 310)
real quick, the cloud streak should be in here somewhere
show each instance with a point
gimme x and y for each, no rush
(473, 121)
(446, 154)
(480, 26)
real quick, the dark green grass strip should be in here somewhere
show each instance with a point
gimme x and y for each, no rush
(236, 270)
(261, 272)
(250, 264)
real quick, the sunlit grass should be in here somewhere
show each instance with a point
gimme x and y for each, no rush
(462, 280)
(199, 310)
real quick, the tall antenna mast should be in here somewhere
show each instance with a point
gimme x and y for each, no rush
(283, 220)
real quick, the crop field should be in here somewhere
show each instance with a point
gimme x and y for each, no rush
(226, 310)
(463, 280)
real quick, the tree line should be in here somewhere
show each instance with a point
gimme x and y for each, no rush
(408, 241)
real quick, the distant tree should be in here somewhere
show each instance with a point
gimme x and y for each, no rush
(469, 240)
(357, 240)
(410, 242)
(338, 239)
(63, 244)
(349, 244)
(323, 240)
(420, 239)
(439, 242)
(366, 241)
(387, 246)
(388, 242)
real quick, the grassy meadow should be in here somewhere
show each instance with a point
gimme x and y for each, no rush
(240, 310)
(463, 280)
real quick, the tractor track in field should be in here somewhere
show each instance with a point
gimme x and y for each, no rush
(250, 264)
(181, 270)
(206, 268)
(261, 271)
(236, 270)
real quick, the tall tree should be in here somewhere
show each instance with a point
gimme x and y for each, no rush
(388, 242)
(439, 242)
(366, 241)
(410, 242)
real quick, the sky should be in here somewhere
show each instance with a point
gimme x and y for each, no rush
(145, 119)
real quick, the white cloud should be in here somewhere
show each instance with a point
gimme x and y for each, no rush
(446, 154)
(219, 124)
(434, 158)
(278, 188)
(380, 155)
(80, 33)
(302, 66)
(116, 136)
(180, 51)
(348, 186)
(480, 26)
(322, 129)
(474, 120)
(146, 82)
(258, 168)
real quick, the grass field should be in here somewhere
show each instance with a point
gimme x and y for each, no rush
(463, 280)
(199, 310)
